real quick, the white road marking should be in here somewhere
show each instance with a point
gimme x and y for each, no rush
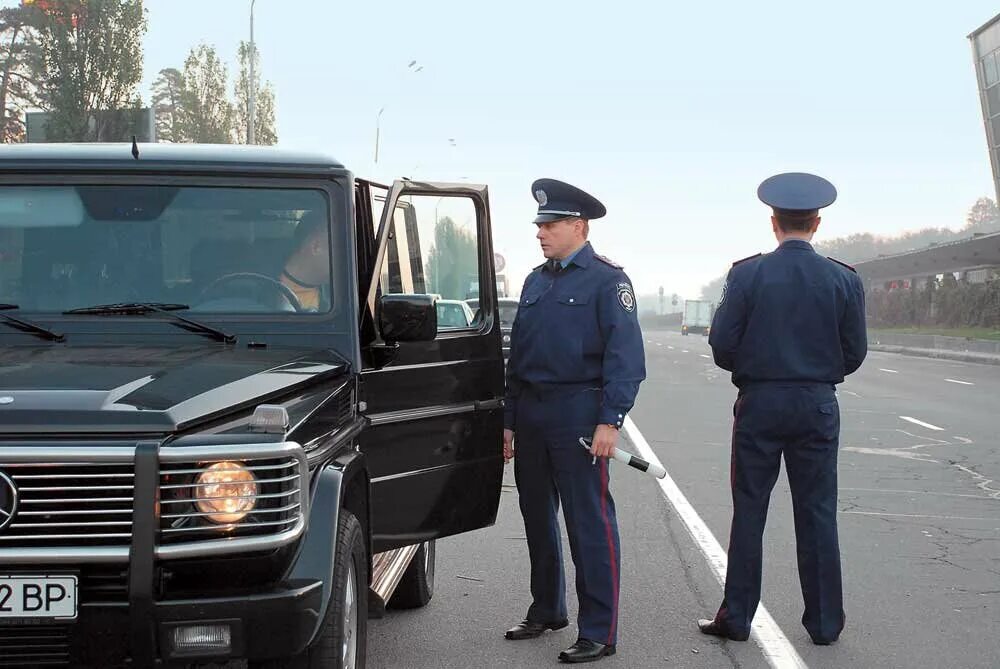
(671, 348)
(685, 351)
(894, 452)
(888, 371)
(852, 394)
(777, 650)
(922, 423)
(706, 356)
(983, 482)
(961, 383)
(659, 344)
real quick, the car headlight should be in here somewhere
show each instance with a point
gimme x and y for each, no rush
(506, 339)
(227, 492)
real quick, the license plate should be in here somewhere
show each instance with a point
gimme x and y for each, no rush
(46, 597)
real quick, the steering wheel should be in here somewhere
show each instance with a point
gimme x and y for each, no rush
(280, 289)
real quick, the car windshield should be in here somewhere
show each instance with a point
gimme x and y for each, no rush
(451, 315)
(507, 313)
(222, 250)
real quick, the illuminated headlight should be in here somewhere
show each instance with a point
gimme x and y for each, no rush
(506, 339)
(227, 492)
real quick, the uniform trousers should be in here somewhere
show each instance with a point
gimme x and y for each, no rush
(550, 466)
(801, 423)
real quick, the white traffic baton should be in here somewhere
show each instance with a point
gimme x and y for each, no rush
(631, 460)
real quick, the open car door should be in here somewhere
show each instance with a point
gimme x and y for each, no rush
(433, 397)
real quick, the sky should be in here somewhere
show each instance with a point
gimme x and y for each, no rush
(670, 113)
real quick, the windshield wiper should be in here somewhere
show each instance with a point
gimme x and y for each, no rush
(33, 328)
(165, 308)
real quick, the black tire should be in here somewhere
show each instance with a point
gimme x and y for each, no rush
(416, 587)
(330, 650)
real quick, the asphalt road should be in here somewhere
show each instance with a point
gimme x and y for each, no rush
(919, 526)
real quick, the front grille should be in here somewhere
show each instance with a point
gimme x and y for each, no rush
(34, 646)
(277, 501)
(72, 511)
(83, 504)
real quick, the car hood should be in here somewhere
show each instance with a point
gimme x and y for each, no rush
(147, 389)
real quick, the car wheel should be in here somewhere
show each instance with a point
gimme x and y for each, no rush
(416, 587)
(343, 638)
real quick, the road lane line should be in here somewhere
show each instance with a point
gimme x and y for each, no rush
(888, 371)
(671, 348)
(706, 356)
(683, 351)
(922, 423)
(961, 383)
(777, 649)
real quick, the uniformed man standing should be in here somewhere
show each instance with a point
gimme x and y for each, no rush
(790, 326)
(576, 362)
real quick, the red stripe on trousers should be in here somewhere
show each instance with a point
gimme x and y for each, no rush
(611, 547)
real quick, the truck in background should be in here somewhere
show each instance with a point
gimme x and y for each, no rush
(697, 317)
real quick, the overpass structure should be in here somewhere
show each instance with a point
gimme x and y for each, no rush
(975, 259)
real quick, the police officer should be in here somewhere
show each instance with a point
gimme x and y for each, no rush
(576, 362)
(790, 326)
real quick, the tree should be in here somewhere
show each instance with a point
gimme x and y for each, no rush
(88, 66)
(264, 114)
(207, 115)
(17, 88)
(983, 217)
(712, 291)
(453, 261)
(167, 91)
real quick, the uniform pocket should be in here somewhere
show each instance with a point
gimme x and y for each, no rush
(829, 408)
(573, 300)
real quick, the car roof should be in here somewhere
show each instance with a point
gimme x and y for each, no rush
(119, 156)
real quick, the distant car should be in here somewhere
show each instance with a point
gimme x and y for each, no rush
(508, 310)
(453, 314)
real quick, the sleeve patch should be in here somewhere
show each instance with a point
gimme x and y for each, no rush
(626, 297)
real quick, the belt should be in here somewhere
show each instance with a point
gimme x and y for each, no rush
(754, 385)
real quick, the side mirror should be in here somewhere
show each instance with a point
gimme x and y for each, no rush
(408, 317)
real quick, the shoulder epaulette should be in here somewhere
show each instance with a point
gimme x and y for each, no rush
(842, 264)
(535, 269)
(756, 255)
(607, 261)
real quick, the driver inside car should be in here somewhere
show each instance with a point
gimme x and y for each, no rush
(307, 269)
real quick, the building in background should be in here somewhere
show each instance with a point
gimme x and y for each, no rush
(986, 53)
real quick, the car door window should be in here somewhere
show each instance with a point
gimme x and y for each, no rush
(433, 248)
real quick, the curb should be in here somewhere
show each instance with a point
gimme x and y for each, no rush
(940, 354)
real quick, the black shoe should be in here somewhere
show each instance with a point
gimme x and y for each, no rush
(718, 629)
(823, 642)
(585, 650)
(526, 629)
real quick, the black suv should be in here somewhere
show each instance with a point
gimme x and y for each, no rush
(229, 425)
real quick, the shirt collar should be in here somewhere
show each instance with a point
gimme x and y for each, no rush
(581, 257)
(796, 244)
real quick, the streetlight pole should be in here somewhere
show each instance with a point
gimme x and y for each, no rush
(252, 95)
(378, 121)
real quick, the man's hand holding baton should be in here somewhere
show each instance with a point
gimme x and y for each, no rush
(626, 458)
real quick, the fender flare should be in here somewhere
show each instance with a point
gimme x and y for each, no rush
(315, 559)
